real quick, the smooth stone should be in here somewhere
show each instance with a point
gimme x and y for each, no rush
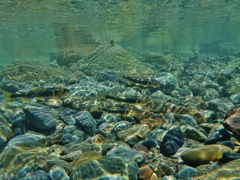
(47, 162)
(145, 172)
(219, 135)
(192, 133)
(57, 172)
(41, 117)
(80, 145)
(125, 152)
(230, 156)
(209, 93)
(106, 168)
(186, 119)
(186, 173)
(151, 143)
(227, 143)
(171, 142)
(85, 158)
(19, 126)
(119, 126)
(5, 129)
(86, 122)
(131, 135)
(67, 116)
(232, 120)
(222, 105)
(168, 82)
(66, 138)
(204, 154)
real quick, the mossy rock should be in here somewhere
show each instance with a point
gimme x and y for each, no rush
(31, 71)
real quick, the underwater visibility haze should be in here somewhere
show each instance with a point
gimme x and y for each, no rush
(119, 89)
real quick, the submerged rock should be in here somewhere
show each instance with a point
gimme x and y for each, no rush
(204, 154)
(168, 82)
(106, 168)
(232, 120)
(172, 141)
(41, 117)
(86, 122)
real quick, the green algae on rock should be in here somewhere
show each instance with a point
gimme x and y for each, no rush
(111, 58)
(204, 154)
(31, 71)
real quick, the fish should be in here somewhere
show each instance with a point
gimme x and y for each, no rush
(136, 99)
(141, 81)
(36, 92)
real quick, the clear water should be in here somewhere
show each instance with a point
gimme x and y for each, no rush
(33, 29)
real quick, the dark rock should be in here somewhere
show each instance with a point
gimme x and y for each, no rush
(214, 137)
(172, 141)
(152, 143)
(41, 117)
(66, 138)
(230, 156)
(227, 143)
(86, 122)
(67, 115)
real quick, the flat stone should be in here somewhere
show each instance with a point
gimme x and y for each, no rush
(131, 135)
(204, 154)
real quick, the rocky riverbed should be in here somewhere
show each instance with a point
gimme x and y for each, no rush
(122, 118)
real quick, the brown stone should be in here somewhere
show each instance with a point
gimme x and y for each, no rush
(145, 172)
(232, 120)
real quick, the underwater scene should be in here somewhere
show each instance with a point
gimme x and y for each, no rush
(119, 89)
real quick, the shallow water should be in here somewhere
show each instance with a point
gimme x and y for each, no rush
(30, 30)
(131, 83)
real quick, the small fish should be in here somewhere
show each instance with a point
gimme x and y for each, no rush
(37, 92)
(143, 81)
(136, 99)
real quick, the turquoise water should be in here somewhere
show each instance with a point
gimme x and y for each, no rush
(31, 29)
